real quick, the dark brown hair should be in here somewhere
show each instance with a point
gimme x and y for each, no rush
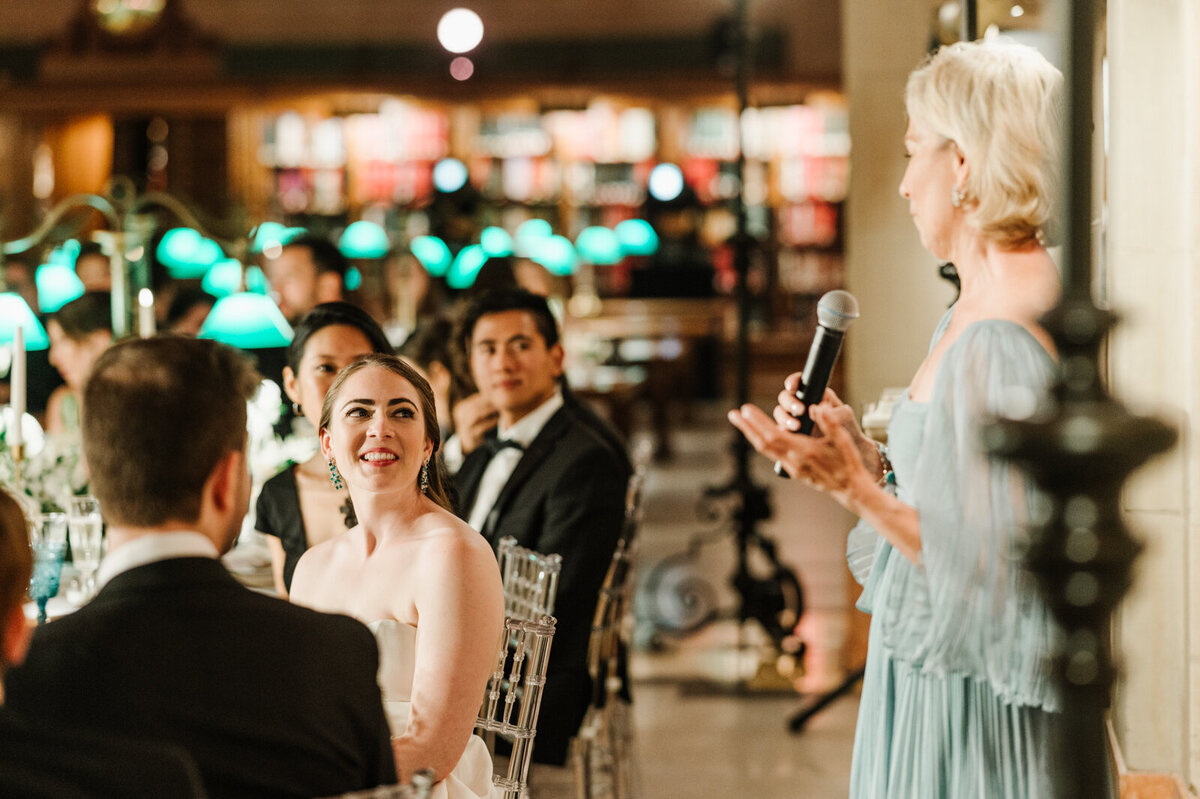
(16, 560)
(400, 367)
(159, 413)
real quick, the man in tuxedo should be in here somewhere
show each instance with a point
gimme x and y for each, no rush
(269, 699)
(39, 761)
(545, 477)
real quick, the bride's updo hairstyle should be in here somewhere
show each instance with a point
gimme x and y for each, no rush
(999, 102)
(397, 366)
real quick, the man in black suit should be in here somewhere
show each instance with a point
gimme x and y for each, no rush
(269, 699)
(39, 761)
(547, 478)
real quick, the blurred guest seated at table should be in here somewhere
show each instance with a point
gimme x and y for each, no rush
(310, 270)
(299, 507)
(39, 760)
(428, 349)
(426, 583)
(547, 477)
(188, 309)
(79, 332)
(93, 268)
(268, 698)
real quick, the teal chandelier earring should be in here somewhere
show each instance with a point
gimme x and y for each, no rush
(335, 477)
(425, 477)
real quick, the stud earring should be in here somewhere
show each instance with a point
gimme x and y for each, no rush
(296, 409)
(335, 476)
(425, 477)
(956, 197)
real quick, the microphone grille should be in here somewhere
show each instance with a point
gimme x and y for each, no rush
(837, 310)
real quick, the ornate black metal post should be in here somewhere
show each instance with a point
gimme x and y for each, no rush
(1080, 450)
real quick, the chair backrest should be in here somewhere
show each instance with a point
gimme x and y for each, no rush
(421, 787)
(530, 580)
(514, 695)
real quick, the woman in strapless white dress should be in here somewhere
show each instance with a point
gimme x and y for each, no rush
(424, 581)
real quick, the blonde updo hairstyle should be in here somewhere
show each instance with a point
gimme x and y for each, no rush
(999, 102)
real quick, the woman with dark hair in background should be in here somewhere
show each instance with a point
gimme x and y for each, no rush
(299, 507)
(79, 331)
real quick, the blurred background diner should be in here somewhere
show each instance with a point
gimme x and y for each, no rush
(682, 181)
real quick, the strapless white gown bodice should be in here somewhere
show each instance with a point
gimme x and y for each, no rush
(472, 777)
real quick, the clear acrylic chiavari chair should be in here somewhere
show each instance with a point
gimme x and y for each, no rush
(602, 752)
(530, 580)
(514, 696)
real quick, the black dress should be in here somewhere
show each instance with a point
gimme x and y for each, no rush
(278, 513)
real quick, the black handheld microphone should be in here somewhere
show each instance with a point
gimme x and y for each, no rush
(836, 311)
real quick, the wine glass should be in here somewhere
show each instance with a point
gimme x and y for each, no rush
(49, 543)
(86, 530)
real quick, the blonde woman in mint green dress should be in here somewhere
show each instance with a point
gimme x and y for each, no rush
(958, 700)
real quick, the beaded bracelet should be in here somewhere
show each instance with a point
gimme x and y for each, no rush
(889, 475)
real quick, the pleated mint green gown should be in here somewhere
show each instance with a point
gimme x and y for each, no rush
(958, 700)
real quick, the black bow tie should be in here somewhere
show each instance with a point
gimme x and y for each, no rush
(496, 444)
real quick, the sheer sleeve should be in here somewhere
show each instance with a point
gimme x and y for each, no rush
(970, 607)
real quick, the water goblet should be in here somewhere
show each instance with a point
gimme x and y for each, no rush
(86, 530)
(48, 540)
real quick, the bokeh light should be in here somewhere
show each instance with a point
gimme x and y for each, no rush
(460, 30)
(449, 175)
(666, 182)
(462, 68)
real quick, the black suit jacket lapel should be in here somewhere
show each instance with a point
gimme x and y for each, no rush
(470, 475)
(537, 451)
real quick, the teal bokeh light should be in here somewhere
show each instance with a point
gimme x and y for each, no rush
(14, 313)
(353, 279)
(557, 255)
(225, 278)
(637, 237)
(273, 234)
(433, 254)
(530, 235)
(598, 245)
(186, 254)
(247, 321)
(364, 239)
(466, 267)
(496, 242)
(57, 284)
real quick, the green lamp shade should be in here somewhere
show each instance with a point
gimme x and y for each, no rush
(637, 237)
(353, 279)
(65, 253)
(433, 254)
(270, 234)
(247, 321)
(466, 267)
(530, 235)
(598, 245)
(225, 278)
(557, 255)
(186, 254)
(57, 284)
(364, 239)
(496, 242)
(14, 313)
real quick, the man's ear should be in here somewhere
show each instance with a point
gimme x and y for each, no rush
(224, 479)
(329, 287)
(16, 633)
(556, 358)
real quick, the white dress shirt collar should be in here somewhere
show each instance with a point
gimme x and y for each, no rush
(503, 463)
(151, 548)
(526, 429)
